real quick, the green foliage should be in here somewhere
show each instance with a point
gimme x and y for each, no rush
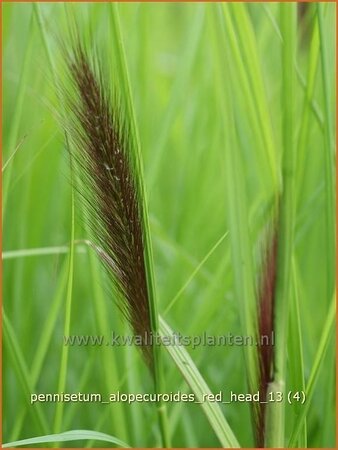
(223, 99)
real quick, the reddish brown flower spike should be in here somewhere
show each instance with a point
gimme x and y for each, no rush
(266, 329)
(101, 147)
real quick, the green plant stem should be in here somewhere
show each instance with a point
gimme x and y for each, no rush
(242, 261)
(275, 421)
(328, 157)
(109, 362)
(297, 380)
(124, 79)
(68, 308)
(305, 120)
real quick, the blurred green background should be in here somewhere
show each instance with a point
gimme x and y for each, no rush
(173, 63)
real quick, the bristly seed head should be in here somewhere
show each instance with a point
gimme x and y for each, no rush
(101, 147)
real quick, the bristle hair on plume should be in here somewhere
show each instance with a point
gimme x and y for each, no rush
(102, 151)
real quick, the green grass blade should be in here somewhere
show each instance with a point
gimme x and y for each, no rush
(172, 246)
(184, 72)
(44, 342)
(42, 251)
(315, 108)
(67, 318)
(276, 411)
(312, 103)
(329, 155)
(15, 123)
(194, 273)
(43, 32)
(125, 83)
(199, 387)
(67, 436)
(297, 379)
(248, 45)
(308, 97)
(14, 152)
(244, 82)
(109, 362)
(20, 366)
(242, 261)
(323, 344)
(68, 306)
(206, 92)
